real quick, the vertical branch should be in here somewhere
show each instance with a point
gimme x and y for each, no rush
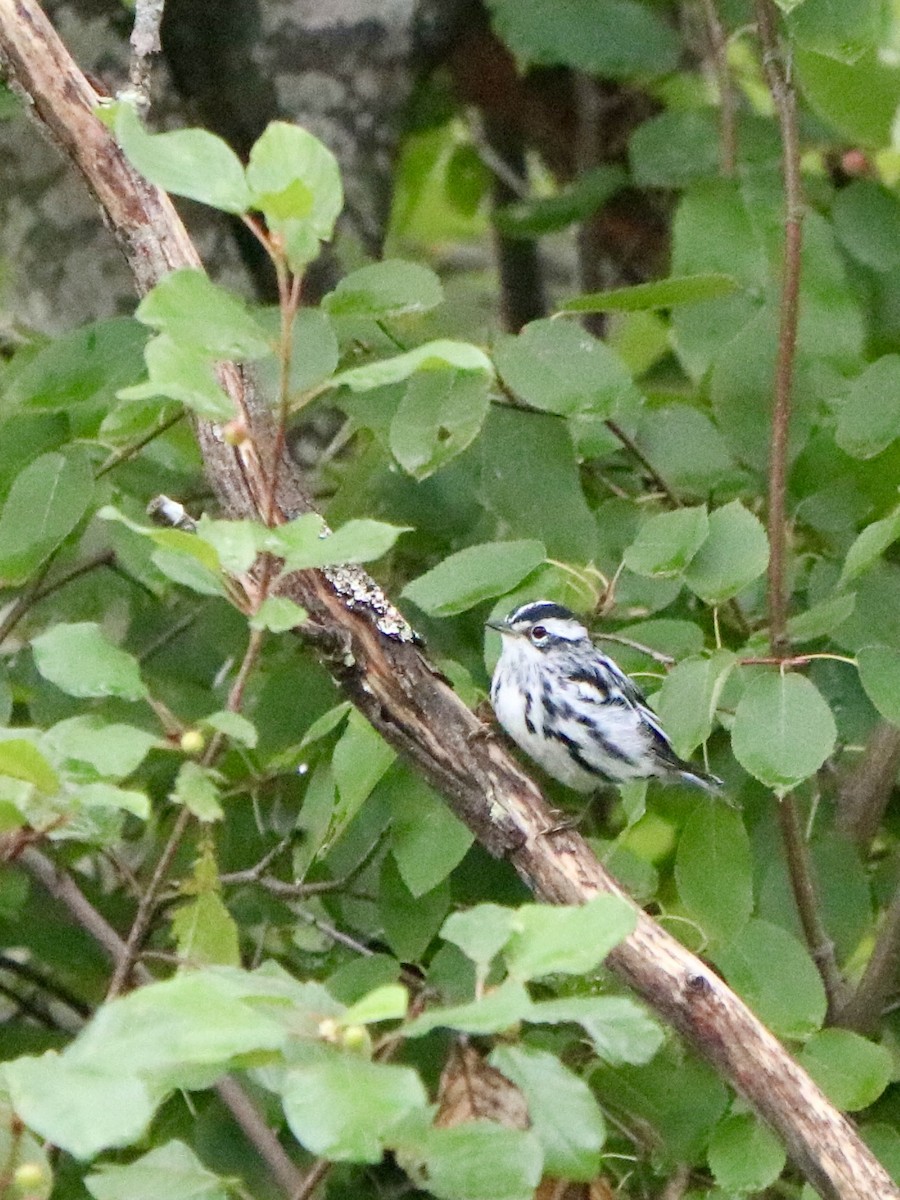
(786, 108)
(144, 43)
(821, 947)
(863, 1010)
(588, 113)
(795, 848)
(718, 45)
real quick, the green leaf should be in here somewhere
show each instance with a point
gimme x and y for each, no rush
(360, 758)
(20, 759)
(234, 726)
(517, 448)
(304, 542)
(278, 614)
(480, 932)
(80, 661)
(714, 871)
(109, 749)
(80, 1107)
(685, 446)
(188, 162)
(409, 922)
(84, 366)
(440, 415)
(614, 38)
(314, 350)
(500, 1008)
(296, 183)
(205, 932)
(546, 214)
(565, 1116)
(783, 730)
(207, 1022)
(879, 673)
(107, 795)
(744, 1155)
(385, 290)
(843, 31)
(426, 839)
(431, 356)
(196, 789)
(567, 939)
(869, 546)
(558, 367)
(386, 1003)
(667, 542)
(735, 553)
(344, 1107)
(821, 619)
(183, 374)
(850, 1070)
(325, 724)
(45, 503)
(172, 1170)
(774, 973)
(675, 148)
(473, 575)
(198, 314)
(869, 416)
(621, 1031)
(236, 543)
(866, 218)
(661, 293)
(476, 1160)
(689, 696)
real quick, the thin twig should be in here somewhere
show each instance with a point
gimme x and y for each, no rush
(785, 102)
(126, 452)
(62, 887)
(147, 905)
(800, 873)
(21, 605)
(35, 591)
(633, 449)
(236, 695)
(865, 1008)
(289, 302)
(144, 43)
(866, 792)
(260, 1135)
(718, 46)
(311, 1180)
(39, 979)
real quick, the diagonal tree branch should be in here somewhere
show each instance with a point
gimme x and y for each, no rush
(381, 670)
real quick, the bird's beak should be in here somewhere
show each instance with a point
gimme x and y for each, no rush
(499, 626)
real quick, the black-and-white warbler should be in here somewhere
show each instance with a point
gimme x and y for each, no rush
(573, 711)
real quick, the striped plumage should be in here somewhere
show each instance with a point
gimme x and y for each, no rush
(573, 711)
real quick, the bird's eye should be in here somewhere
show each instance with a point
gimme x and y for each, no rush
(539, 634)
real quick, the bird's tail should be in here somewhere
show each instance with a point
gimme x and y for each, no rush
(701, 779)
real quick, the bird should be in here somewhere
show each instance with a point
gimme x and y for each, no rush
(573, 711)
